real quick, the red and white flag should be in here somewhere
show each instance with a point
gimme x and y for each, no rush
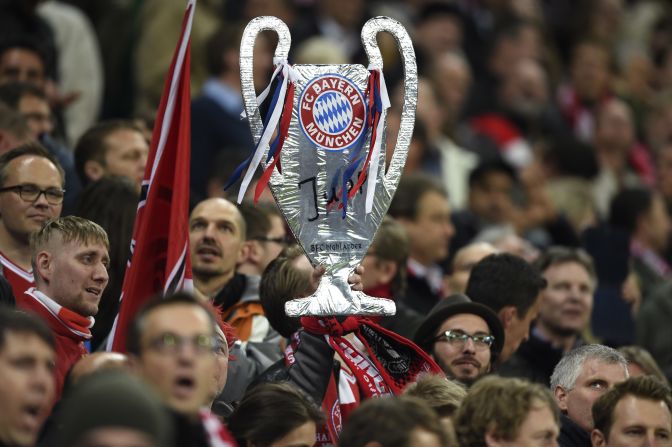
(160, 247)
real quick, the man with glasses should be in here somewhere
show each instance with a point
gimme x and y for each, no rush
(266, 237)
(31, 192)
(173, 346)
(463, 337)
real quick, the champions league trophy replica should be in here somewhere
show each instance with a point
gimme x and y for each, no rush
(322, 146)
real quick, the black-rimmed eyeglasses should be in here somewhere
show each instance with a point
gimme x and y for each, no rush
(170, 343)
(30, 193)
(458, 339)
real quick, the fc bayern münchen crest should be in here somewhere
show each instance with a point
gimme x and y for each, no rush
(332, 112)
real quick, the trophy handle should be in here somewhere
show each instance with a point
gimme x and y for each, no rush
(253, 28)
(369, 33)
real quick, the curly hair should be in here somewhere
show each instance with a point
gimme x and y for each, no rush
(442, 394)
(499, 405)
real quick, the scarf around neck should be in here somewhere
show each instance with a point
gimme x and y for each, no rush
(74, 322)
(218, 435)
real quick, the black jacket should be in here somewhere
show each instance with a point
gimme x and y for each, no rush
(534, 360)
(232, 292)
(188, 433)
(571, 435)
(6, 295)
(214, 133)
(312, 369)
(404, 322)
(654, 331)
(418, 295)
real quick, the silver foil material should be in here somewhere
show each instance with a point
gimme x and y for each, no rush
(307, 169)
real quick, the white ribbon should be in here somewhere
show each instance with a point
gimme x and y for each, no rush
(288, 75)
(376, 145)
(279, 64)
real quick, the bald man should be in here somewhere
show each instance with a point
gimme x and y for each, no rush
(465, 258)
(95, 362)
(217, 233)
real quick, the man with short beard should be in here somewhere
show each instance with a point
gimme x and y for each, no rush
(70, 260)
(463, 337)
(565, 306)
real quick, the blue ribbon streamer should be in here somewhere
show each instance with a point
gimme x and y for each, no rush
(356, 157)
(245, 164)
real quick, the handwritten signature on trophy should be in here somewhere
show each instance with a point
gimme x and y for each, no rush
(333, 196)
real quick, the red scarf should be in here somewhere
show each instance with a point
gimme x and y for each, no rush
(218, 435)
(579, 116)
(390, 363)
(397, 360)
(69, 328)
(77, 324)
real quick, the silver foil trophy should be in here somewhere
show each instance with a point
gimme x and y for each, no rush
(327, 131)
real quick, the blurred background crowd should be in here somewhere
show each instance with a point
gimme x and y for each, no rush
(541, 125)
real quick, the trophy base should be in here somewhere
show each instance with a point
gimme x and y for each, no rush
(330, 300)
(362, 304)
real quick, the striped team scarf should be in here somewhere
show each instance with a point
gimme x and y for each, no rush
(74, 322)
(218, 435)
(388, 364)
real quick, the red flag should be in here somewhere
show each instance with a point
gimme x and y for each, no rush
(160, 246)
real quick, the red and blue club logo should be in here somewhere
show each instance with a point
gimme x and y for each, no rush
(332, 112)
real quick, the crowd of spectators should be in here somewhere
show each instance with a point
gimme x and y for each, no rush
(527, 247)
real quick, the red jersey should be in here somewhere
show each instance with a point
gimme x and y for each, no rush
(19, 279)
(69, 342)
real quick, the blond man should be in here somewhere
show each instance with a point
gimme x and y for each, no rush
(70, 260)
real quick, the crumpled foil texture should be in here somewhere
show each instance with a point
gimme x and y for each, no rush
(303, 188)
